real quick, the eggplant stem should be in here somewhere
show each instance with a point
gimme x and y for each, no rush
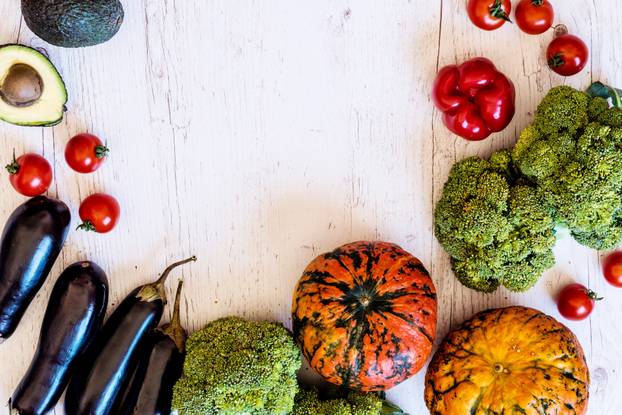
(174, 330)
(176, 319)
(155, 290)
(171, 267)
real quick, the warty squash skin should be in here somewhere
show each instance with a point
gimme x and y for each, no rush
(364, 315)
(510, 361)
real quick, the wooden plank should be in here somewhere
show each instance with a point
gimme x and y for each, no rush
(258, 135)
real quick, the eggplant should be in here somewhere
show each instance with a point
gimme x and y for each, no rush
(164, 368)
(31, 241)
(98, 385)
(125, 404)
(74, 314)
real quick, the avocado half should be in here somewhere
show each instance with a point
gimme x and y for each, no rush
(32, 92)
(73, 23)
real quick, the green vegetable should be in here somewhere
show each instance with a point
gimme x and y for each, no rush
(32, 92)
(496, 218)
(73, 23)
(238, 367)
(573, 154)
(494, 225)
(310, 403)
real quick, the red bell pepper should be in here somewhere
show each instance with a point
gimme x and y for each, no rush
(475, 98)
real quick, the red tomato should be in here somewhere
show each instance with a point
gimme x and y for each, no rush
(489, 14)
(99, 212)
(576, 302)
(534, 16)
(85, 153)
(612, 268)
(30, 174)
(567, 55)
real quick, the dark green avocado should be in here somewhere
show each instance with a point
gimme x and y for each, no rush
(73, 23)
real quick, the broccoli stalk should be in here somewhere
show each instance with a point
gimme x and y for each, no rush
(494, 226)
(234, 367)
(309, 402)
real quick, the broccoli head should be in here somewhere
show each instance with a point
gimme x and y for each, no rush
(495, 227)
(309, 402)
(573, 154)
(234, 366)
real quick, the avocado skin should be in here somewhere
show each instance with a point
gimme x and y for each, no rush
(73, 23)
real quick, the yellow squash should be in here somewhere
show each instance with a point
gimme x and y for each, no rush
(510, 361)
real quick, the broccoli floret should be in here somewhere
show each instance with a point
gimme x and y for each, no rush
(573, 154)
(611, 117)
(234, 366)
(308, 402)
(496, 229)
(564, 109)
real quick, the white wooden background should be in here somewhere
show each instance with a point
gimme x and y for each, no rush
(259, 134)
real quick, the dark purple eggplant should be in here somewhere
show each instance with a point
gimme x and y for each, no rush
(165, 366)
(73, 316)
(113, 357)
(31, 241)
(127, 400)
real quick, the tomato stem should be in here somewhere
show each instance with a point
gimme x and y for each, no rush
(537, 2)
(13, 167)
(557, 60)
(101, 151)
(560, 30)
(86, 226)
(497, 10)
(593, 295)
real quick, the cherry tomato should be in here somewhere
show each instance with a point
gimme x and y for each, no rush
(489, 14)
(99, 212)
(85, 153)
(534, 16)
(576, 302)
(30, 174)
(612, 268)
(567, 55)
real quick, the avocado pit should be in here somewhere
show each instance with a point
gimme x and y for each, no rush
(22, 86)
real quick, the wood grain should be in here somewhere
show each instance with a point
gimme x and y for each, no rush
(258, 134)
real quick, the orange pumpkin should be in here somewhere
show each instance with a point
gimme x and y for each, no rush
(364, 315)
(512, 360)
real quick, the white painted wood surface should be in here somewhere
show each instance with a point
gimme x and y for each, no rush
(259, 134)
